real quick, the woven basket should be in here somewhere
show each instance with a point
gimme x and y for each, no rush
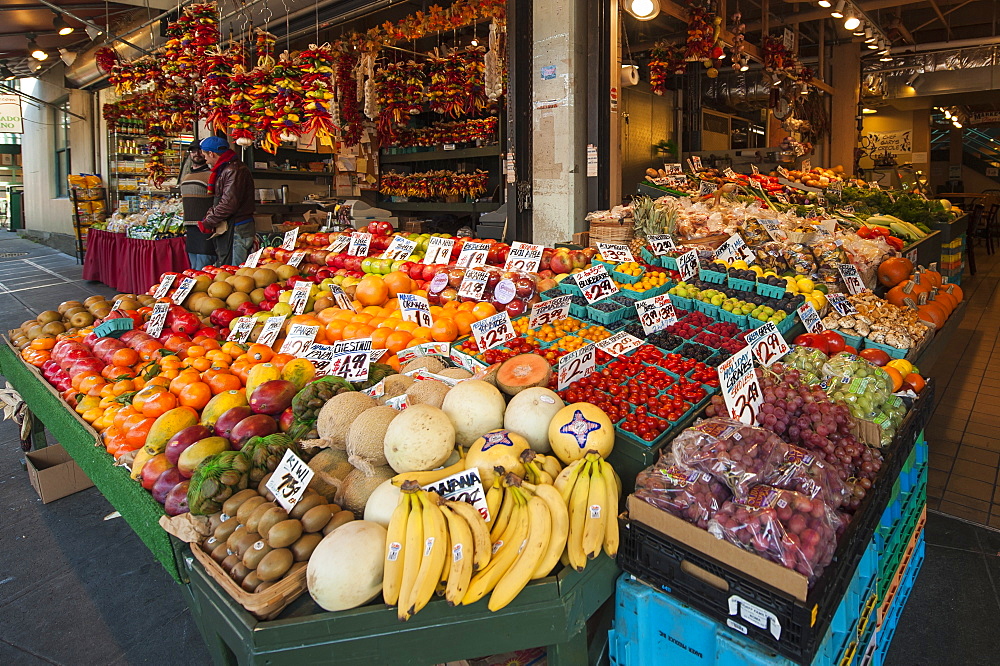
(610, 232)
(712, 242)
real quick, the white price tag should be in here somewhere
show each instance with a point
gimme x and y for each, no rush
(810, 318)
(360, 242)
(473, 255)
(399, 403)
(291, 237)
(656, 313)
(165, 284)
(296, 258)
(416, 309)
(767, 343)
(596, 283)
(912, 256)
(341, 298)
(466, 486)
(352, 359)
(807, 165)
(615, 253)
(241, 329)
(289, 481)
(321, 356)
(155, 324)
(740, 387)
(687, 265)
(466, 361)
(852, 280)
(473, 284)
(299, 337)
(439, 250)
(576, 365)
(732, 249)
(696, 164)
(841, 304)
(339, 243)
(546, 312)
(754, 170)
(300, 296)
(493, 331)
(399, 249)
(661, 243)
(253, 259)
(271, 329)
(183, 289)
(673, 168)
(773, 229)
(523, 257)
(619, 344)
(783, 172)
(707, 188)
(117, 304)
(442, 349)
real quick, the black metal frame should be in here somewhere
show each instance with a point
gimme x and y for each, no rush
(599, 13)
(520, 50)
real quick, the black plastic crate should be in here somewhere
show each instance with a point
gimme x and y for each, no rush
(660, 560)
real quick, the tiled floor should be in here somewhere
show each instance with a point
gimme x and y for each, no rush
(964, 430)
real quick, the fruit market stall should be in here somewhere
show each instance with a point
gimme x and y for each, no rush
(130, 264)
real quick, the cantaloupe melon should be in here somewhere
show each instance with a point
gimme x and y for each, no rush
(330, 468)
(337, 415)
(522, 372)
(430, 363)
(420, 438)
(365, 436)
(456, 373)
(382, 502)
(475, 407)
(529, 413)
(345, 570)
(427, 392)
(579, 428)
(395, 385)
(497, 448)
(360, 484)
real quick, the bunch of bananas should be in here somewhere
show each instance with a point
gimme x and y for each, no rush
(590, 488)
(540, 468)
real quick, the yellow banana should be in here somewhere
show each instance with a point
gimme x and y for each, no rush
(518, 575)
(482, 546)
(614, 493)
(426, 478)
(494, 497)
(445, 569)
(462, 556)
(435, 544)
(559, 515)
(539, 475)
(551, 465)
(412, 556)
(568, 478)
(578, 518)
(597, 513)
(394, 540)
(506, 507)
(484, 581)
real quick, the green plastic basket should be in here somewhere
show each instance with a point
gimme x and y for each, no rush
(114, 328)
(770, 291)
(741, 285)
(713, 277)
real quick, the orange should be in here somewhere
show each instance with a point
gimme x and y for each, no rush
(373, 310)
(466, 306)
(326, 315)
(397, 341)
(407, 326)
(418, 341)
(379, 336)
(76, 381)
(199, 363)
(183, 378)
(207, 342)
(350, 330)
(221, 380)
(344, 315)
(130, 422)
(195, 351)
(398, 282)
(241, 369)
(421, 332)
(260, 353)
(281, 359)
(43, 344)
(136, 436)
(464, 321)
(123, 386)
(90, 382)
(444, 330)
(196, 395)
(153, 400)
(125, 357)
(483, 310)
(122, 415)
(372, 290)
(335, 330)
(148, 348)
(91, 415)
(363, 331)
(897, 379)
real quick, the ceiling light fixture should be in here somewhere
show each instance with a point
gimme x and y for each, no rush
(68, 57)
(913, 79)
(838, 11)
(744, 67)
(868, 111)
(643, 10)
(36, 51)
(5, 73)
(869, 36)
(885, 56)
(852, 21)
(957, 124)
(93, 32)
(60, 25)
(824, 3)
(873, 46)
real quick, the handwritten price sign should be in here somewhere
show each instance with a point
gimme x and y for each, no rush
(321, 356)
(493, 331)
(596, 283)
(416, 309)
(300, 297)
(852, 280)
(183, 289)
(155, 324)
(439, 250)
(523, 257)
(339, 243)
(473, 284)
(296, 258)
(767, 343)
(290, 480)
(740, 387)
(843, 306)
(240, 332)
(291, 237)
(360, 242)
(656, 313)
(271, 329)
(400, 248)
(619, 344)
(687, 265)
(298, 339)
(165, 284)
(661, 243)
(341, 299)
(773, 229)
(352, 359)
(546, 312)
(473, 255)
(810, 318)
(616, 253)
(734, 249)
(576, 365)
(253, 259)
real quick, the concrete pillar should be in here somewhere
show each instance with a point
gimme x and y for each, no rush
(844, 106)
(559, 120)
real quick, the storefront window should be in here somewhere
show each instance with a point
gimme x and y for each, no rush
(62, 169)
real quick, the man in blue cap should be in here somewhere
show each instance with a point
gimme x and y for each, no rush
(230, 219)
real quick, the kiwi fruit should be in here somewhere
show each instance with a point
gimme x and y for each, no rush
(145, 300)
(207, 306)
(306, 503)
(274, 565)
(49, 316)
(66, 305)
(236, 299)
(338, 519)
(255, 554)
(214, 521)
(285, 533)
(201, 283)
(226, 529)
(262, 488)
(230, 506)
(219, 290)
(251, 582)
(304, 547)
(262, 277)
(244, 283)
(91, 300)
(239, 572)
(298, 566)
(245, 543)
(209, 544)
(220, 552)
(274, 516)
(237, 533)
(222, 275)
(255, 516)
(81, 319)
(264, 585)
(230, 562)
(248, 507)
(316, 518)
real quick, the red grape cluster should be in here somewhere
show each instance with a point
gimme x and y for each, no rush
(690, 495)
(783, 526)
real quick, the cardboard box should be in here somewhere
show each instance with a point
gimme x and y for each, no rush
(54, 474)
(750, 564)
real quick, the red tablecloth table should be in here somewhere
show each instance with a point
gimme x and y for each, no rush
(131, 265)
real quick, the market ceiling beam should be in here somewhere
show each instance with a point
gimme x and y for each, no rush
(161, 5)
(937, 10)
(934, 20)
(94, 25)
(817, 14)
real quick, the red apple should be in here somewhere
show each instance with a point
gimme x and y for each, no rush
(561, 262)
(516, 307)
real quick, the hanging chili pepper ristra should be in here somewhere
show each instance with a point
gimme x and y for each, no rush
(351, 120)
(456, 84)
(315, 66)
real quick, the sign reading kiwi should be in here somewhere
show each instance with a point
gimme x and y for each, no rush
(290, 480)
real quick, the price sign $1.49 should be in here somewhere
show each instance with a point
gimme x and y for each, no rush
(740, 388)
(576, 365)
(767, 343)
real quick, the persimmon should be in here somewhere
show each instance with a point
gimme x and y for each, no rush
(196, 395)
(153, 401)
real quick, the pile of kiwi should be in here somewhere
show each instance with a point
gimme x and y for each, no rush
(230, 290)
(257, 542)
(71, 316)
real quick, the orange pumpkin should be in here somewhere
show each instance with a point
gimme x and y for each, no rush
(933, 277)
(955, 291)
(932, 313)
(894, 270)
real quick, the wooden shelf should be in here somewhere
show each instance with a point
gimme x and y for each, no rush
(433, 155)
(433, 206)
(274, 174)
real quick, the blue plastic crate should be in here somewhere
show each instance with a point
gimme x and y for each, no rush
(786, 324)
(893, 352)
(668, 262)
(623, 278)
(852, 340)
(714, 277)
(606, 318)
(703, 306)
(741, 285)
(114, 328)
(568, 286)
(884, 634)
(770, 291)
(578, 311)
(681, 303)
(651, 259)
(549, 294)
(725, 315)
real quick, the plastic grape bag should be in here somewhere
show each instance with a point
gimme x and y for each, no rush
(809, 361)
(738, 455)
(688, 494)
(855, 381)
(792, 529)
(805, 473)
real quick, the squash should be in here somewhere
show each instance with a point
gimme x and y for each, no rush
(894, 270)
(345, 569)
(933, 277)
(955, 291)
